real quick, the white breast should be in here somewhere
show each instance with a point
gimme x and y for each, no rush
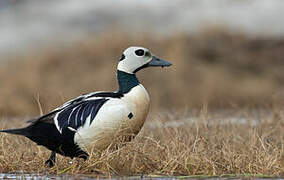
(114, 121)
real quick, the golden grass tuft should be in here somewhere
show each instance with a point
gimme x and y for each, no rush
(171, 144)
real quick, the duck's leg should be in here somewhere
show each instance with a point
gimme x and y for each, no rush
(51, 161)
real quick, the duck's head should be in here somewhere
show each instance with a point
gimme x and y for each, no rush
(134, 59)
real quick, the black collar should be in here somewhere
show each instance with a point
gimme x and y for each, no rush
(126, 81)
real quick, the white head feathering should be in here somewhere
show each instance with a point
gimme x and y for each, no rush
(134, 58)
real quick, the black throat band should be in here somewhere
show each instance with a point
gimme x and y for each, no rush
(126, 81)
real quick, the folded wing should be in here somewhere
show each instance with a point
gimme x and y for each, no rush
(76, 115)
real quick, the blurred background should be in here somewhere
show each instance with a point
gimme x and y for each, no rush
(227, 54)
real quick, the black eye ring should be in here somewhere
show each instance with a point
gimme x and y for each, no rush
(139, 52)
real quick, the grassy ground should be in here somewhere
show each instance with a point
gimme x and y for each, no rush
(231, 74)
(197, 143)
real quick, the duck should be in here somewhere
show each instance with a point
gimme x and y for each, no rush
(95, 119)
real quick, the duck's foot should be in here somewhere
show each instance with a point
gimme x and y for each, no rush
(51, 161)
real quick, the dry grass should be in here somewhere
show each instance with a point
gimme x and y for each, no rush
(171, 145)
(219, 69)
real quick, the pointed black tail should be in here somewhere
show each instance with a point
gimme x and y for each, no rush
(21, 131)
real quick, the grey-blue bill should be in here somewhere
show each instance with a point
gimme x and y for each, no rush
(159, 62)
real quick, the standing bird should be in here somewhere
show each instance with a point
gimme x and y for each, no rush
(96, 119)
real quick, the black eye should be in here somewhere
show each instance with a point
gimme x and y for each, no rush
(122, 57)
(139, 52)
